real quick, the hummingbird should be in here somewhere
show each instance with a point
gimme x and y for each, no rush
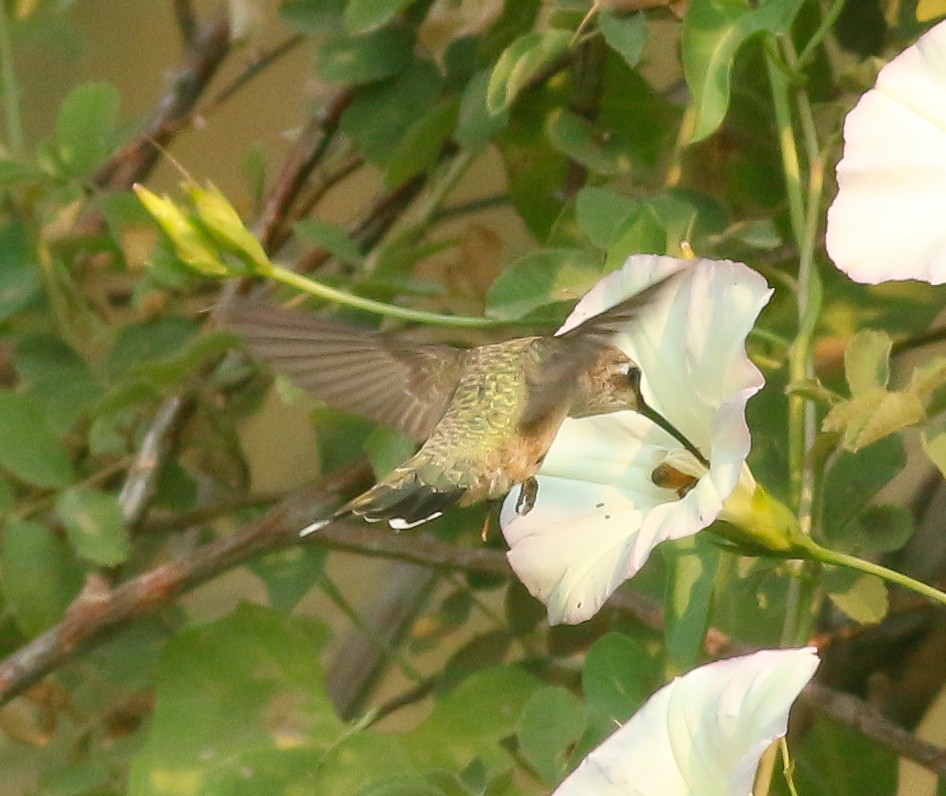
(485, 416)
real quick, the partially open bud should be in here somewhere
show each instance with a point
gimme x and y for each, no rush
(220, 221)
(190, 243)
(757, 519)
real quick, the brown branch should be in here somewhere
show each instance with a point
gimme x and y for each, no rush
(100, 611)
(852, 712)
(309, 149)
(134, 161)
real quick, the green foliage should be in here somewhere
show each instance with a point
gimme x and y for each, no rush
(474, 166)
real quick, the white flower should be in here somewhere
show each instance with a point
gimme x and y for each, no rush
(701, 735)
(598, 513)
(888, 220)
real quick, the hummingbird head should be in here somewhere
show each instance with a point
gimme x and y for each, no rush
(611, 384)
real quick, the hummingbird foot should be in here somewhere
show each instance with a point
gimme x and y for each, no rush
(528, 492)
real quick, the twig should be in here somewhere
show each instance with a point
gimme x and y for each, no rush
(134, 161)
(261, 61)
(99, 612)
(138, 488)
(871, 723)
(94, 617)
(186, 21)
(309, 149)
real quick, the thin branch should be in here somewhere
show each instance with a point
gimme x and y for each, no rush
(100, 611)
(260, 62)
(134, 161)
(310, 148)
(186, 21)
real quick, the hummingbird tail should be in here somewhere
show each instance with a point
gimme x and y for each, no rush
(405, 503)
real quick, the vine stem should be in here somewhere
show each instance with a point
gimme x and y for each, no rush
(833, 557)
(320, 290)
(11, 89)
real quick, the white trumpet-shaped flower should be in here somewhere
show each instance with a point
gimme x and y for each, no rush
(702, 734)
(598, 512)
(888, 220)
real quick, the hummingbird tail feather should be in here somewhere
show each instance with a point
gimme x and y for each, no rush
(404, 503)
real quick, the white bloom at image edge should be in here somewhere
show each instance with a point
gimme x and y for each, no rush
(701, 735)
(598, 513)
(888, 220)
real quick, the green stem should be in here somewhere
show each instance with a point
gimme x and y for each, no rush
(826, 556)
(10, 87)
(818, 36)
(334, 594)
(313, 288)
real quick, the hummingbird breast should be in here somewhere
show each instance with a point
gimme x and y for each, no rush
(480, 444)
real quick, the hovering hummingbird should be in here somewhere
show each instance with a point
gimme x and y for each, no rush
(486, 415)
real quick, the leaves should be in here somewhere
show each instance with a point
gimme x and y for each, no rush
(713, 33)
(86, 127)
(39, 576)
(28, 448)
(95, 525)
(522, 61)
(551, 723)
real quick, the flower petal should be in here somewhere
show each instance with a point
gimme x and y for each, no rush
(887, 219)
(702, 733)
(598, 514)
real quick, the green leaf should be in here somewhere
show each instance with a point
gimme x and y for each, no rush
(381, 114)
(641, 233)
(363, 16)
(602, 214)
(386, 449)
(151, 341)
(862, 597)
(534, 169)
(313, 16)
(28, 448)
(57, 378)
(365, 59)
(604, 152)
(330, 237)
(289, 575)
(873, 415)
(854, 479)
(713, 33)
(476, 126)
(19, 279)
(474, 719)
(541, 278)
(626, 34)
(617, 678)
(85, 129)
(879, 529)
(934, 443)
(551, 722)
(94, 524)
(484, 650)
(241, 708)
(420, 148)
(692, 566)
(39, 576)
(867, 361)
(522, 61)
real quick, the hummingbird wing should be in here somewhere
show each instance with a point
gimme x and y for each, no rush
(383, 377)
(567, 355)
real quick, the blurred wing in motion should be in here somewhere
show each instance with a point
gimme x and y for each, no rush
(383, 377)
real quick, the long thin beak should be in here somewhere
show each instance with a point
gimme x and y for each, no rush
(634, 374)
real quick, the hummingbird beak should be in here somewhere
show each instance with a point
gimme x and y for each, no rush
(634, 376)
